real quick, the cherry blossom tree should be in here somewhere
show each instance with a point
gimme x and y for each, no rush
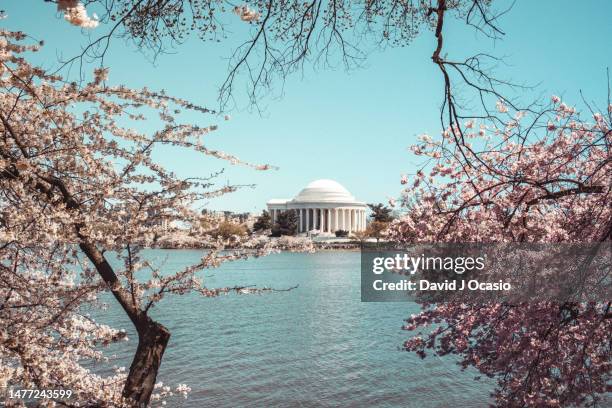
(516, 176)
(285, 35)
(81, 192)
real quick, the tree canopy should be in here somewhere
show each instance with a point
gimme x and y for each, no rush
(544, 177)
(286, 224)
(79, 186)
(263, 222)
(380, 213)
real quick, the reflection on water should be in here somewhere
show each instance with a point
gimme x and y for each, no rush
(317, 345)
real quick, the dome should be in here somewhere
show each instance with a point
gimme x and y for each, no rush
(324, 191)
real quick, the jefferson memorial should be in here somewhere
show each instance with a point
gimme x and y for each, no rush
(325, 206)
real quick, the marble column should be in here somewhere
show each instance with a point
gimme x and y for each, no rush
(361, 220)
(339, 218)
(315, 218)
(349, 223)
(323, 220)
(299, 211)
(362, 227)
(335, 219)
(307, 220)
(328, 221)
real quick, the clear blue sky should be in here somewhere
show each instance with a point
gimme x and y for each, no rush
(352, 127)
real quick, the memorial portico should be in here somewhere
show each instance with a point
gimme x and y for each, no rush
(325, 206)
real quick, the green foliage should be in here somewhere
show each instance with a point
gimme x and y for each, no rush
(263, 222)
(286, 224)
(380, 212)
(228, 229)
(376, 228)
(342, 233)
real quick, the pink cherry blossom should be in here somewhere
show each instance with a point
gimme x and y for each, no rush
(76, 14)
(501, 106)
(80, 185)
(246, 14)
(548, 186)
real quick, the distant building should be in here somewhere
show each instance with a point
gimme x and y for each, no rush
(240, 218)
(323, 205)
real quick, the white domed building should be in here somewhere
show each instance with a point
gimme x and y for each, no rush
(325, 206)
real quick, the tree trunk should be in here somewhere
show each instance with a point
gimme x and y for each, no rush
(152, 341)
(152, 336)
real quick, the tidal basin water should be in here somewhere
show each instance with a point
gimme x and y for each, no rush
(315, 346)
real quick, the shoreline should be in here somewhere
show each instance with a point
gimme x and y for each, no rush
(318, 245)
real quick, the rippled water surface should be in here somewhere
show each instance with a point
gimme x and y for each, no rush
(317, 345)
